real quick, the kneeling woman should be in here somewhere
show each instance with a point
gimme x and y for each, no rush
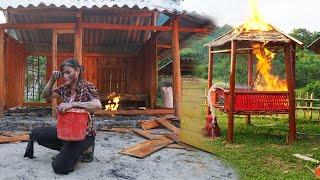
(75, 93)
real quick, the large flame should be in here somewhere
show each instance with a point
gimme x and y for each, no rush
(114, 104)
(255, 21)
(265, 80)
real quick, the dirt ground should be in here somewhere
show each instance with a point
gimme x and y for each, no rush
(109, 164)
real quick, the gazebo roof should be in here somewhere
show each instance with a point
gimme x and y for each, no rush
(101, 11)
(315, 46)
(245, 37)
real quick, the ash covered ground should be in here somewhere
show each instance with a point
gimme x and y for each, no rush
(167, 163)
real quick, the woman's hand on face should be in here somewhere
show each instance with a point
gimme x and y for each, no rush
(64, 106)
(55, 75)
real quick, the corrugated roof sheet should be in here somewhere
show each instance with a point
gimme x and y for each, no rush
(103, 11)
(160, 5)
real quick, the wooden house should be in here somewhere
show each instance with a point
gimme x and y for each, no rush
(118, 43)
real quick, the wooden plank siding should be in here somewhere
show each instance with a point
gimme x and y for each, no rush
(148, 59)
(15, 63)
(109, 73)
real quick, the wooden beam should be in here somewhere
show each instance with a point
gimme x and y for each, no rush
(250, 70)
(135, 112)
(176, 68)
(124, 27)
(165, 46)
(194, 30)
(78, 38)
(293, 60)
(104, 26)
(65, 31)
(54, 68)
(38, 26)
(2, 72)
(210, 69)
(229, 50)
(292, 134)
(232, 77)
(153, 73)
(85, 54)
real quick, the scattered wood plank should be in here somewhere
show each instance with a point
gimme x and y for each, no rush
(119, 130)
(306, 158)
(173, 136)
(148, 124)
(166, 123)
(175, 146)
(146, 134)
(13, 133)
(181, 146)
(146, 148)
(7, 139)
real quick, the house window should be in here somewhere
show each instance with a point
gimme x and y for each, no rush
(35, 77)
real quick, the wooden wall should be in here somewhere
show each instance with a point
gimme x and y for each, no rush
(15, 63)
(119, 73)
(148, 67)
(109, 73)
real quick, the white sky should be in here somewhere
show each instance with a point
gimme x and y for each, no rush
(284, 14)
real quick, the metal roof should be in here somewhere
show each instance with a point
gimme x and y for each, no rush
(239, 34)
(100, 11)
(188, 66)
(160, 5)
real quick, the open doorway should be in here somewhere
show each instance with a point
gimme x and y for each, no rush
(35, 78)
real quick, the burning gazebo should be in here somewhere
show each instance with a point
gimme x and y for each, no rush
(266, 93)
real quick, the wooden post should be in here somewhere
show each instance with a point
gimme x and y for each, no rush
(78, 38)
(153, 73)
(311, 105)
(250, 70)
(210, 68)
(176, 67)
(293, 64)
(2, 73)
(232, 91)
(54, 67)
(290, 82)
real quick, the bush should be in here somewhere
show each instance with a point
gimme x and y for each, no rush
(313, 87)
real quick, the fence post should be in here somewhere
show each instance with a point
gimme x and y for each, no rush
(311, 105)
(306, 96)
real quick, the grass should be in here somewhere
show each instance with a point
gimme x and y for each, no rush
(260, 151)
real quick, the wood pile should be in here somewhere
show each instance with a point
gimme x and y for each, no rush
(13, 137)
(156, 138)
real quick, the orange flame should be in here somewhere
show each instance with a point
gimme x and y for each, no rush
(256, 22)
(114, 104)
(265, 80)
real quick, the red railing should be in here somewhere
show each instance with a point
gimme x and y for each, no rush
(251, 102)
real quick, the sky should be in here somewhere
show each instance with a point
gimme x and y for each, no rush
(284, 14)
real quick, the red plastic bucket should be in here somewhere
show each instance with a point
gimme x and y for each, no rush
(72, 125)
